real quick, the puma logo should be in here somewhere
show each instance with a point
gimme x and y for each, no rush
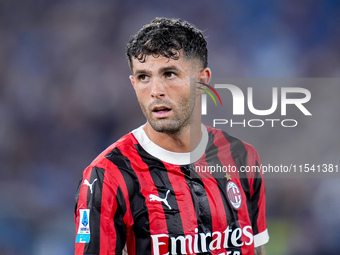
(163, 200)
(86, 182)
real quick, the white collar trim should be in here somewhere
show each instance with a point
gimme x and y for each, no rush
(171, 157)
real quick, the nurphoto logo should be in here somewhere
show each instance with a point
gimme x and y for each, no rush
(243, 103)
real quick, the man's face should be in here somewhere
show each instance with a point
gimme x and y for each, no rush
(163, 89)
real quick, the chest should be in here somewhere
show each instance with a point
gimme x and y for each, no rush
(178, 204)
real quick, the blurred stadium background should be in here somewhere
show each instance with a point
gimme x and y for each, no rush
(65, 96)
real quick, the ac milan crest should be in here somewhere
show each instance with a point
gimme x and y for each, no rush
(234, 195)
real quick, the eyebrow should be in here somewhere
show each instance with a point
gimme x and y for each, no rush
(160, 71)
(168, 69)
(141, 72)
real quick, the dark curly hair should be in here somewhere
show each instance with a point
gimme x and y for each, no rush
(166, 37)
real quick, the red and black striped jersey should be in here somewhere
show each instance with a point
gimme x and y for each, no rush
(139, 198)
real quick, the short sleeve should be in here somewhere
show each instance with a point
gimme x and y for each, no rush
(258, 201)
(99, 221)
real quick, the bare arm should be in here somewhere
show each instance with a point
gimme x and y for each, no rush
(260, 250)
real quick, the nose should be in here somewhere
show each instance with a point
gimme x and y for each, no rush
(157, 89)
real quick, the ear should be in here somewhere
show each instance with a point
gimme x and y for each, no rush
(132, 80)
(203, 78)
(204, 75)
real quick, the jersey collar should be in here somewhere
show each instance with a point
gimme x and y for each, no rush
(171, 157)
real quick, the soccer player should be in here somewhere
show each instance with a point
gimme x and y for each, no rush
(150, 192)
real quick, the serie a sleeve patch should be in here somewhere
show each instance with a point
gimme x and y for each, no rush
(83, 234)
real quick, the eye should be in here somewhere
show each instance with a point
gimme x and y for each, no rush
(143, 77)
(169, 75)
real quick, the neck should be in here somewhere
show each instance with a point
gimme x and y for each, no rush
(184, 141)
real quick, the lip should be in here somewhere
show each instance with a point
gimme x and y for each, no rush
(161, 111)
